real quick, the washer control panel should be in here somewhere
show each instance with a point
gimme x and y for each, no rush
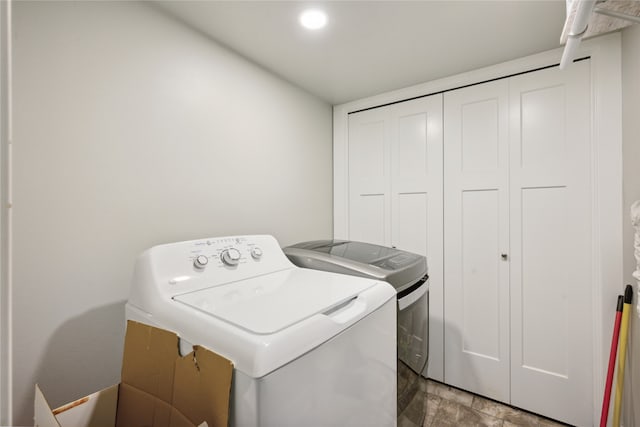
(229, 252)
(199, 264)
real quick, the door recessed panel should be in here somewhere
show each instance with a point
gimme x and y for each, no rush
(412, 147)
(480, 273)
(545, 280)
(412, 222)
(366, 151)
(367, 218)
(543, 134)
(480, 136)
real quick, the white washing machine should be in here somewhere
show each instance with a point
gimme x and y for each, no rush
(309, 348)
(408, 274)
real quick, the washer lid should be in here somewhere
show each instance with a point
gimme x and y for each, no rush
(273, 302)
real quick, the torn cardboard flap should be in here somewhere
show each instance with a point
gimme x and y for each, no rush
(158, 388)
(149, 358)
(200, 380)
(161, 388)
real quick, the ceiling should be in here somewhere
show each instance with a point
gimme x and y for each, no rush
(370, 47)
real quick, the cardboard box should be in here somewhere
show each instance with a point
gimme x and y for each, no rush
(158, 388)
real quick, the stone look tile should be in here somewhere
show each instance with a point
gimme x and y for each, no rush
(448, 406)
(487, 406)
(545, 422)
(403, 421)
(415, 411)
(520, 418)
(452, 413)
(504, 412)
(449, 393)
(433, 402)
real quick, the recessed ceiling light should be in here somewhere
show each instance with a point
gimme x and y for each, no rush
(313, 19)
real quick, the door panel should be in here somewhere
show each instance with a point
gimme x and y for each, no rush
(551, 308)
(543, 146)
(369, 179)
(476, 234)
(412, 149)
(544, 280)
(480, 142)
(411, 233)
(480, 274)
(416, 194)
(395, 193)
(367, 219)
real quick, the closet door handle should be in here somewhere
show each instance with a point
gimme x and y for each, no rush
(504, 257)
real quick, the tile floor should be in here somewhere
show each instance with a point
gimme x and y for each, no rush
(448, 407)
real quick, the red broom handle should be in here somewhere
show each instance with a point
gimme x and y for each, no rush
(612, 363)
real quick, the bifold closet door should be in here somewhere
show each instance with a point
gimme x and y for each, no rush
(370, 176)
(551, 243)
(395, 193)
(476, 226)
(416, 202)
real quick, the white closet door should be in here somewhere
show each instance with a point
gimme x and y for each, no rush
(416, 201)
(476, 224)
(551, 244)
(369, 176)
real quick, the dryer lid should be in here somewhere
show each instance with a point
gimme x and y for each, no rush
(397, 267)
(366, 253)
(271, 303)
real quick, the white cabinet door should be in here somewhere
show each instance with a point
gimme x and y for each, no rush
(416, 202)
(369, 176)
(476, 235)
(551, 247)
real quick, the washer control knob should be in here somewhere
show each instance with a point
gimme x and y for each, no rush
(200, 262)
(230, 256)
(256, 253)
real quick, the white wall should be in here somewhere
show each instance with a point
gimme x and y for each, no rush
(131, 130)
(631, 166)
